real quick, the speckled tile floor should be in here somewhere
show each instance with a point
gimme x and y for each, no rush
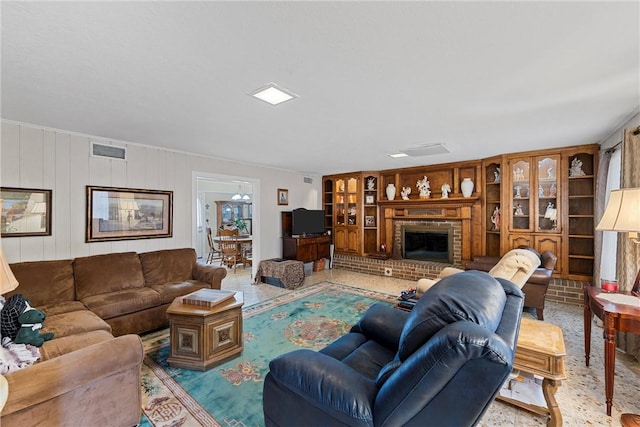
(580, 397)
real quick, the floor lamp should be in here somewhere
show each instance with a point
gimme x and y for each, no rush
(8, 283)
(623, 215)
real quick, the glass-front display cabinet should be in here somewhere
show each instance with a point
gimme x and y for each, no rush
(520, 194)
(346, 207)
(548, 194)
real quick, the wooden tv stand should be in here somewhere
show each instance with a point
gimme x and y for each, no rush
(305, 249)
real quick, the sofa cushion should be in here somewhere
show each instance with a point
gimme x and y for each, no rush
(101, 274)
(170, 265)
(122, 302)
(460, 297)
(170, 291)
(63, 307)
(59, 346)
(73, 323)
(44, 282)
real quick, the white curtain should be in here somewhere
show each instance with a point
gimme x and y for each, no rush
(610, 238)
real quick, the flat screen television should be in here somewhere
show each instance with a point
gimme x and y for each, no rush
(306, 221)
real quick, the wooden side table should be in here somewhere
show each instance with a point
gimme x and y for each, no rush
(203, 337)
(615, 317)
(540, 350)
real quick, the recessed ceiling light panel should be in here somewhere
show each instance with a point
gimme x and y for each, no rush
(425, 150)
(273, 94)
(397, 155)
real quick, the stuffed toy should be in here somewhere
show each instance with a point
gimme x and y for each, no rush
(30, 321)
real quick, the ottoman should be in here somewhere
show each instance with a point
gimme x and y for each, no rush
(280, 272)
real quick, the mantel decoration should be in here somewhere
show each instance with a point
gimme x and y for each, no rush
(391, 191)
(405, 193)
(467, 187)
(25, 212)
(445, 190)
(128, 214)
(424, 188)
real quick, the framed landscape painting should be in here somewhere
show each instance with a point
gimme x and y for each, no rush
(127, 214)
(25, 212)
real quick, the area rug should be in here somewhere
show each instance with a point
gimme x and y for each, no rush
(231, 394)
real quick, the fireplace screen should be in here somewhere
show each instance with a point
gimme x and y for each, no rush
(427, 243)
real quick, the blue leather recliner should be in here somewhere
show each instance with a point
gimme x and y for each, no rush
(441, 364)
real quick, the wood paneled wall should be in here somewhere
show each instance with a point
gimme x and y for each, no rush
(37, 157)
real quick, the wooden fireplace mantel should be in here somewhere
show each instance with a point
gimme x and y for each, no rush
(467, 210)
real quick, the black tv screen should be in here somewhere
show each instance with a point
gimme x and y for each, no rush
(305, 221)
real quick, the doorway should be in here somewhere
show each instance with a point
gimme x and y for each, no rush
(225, 201)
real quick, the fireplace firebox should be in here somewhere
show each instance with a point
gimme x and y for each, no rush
(427, 243)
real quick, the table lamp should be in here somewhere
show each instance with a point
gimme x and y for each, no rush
(623, 215)
(8, 283)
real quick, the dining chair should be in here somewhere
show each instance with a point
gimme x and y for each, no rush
(229, 248)
(247, 255)
(214, 249)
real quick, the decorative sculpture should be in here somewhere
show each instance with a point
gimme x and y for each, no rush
(576, 167)
(517, 188)
(496, 173)
(405, 193)
(495, 218)
(371, 183)
(445, 189)
(424, 187)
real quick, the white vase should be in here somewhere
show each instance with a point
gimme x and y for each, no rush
(391, 191)
(467, 187)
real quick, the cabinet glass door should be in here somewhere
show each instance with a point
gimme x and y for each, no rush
(352, 201)
(340, 207)
(548, 194)
(521, 192)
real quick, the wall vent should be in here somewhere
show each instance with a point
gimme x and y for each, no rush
(308, 180)
(109, 151)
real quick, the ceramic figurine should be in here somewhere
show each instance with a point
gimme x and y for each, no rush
(495, 218)
(496, 173)
(540, 190)
(517, 188)
(553, 190)
(371, 183)
(405, 193)
(576, 168)
(445, 189)
(519, 211)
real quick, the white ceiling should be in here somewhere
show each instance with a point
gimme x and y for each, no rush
(482, 78)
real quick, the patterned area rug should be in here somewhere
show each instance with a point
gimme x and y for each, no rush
(230, 394)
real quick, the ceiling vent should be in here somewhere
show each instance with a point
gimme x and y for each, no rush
(425, 150)
(108, 151)
(308, 180)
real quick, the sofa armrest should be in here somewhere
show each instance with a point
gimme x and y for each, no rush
(209, 274)
(344, 391)
(87, 370)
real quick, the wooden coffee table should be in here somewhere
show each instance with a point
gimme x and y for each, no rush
(203, 337)
(540, 350)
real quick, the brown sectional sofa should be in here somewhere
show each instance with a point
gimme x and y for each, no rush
(86, 376)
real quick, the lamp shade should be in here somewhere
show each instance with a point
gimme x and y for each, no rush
(623, 211)
(8, 281)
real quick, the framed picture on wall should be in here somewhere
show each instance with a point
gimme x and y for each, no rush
(25, 212)
(127, 214)
(283, 196)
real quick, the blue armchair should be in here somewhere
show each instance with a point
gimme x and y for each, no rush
(442, 363)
